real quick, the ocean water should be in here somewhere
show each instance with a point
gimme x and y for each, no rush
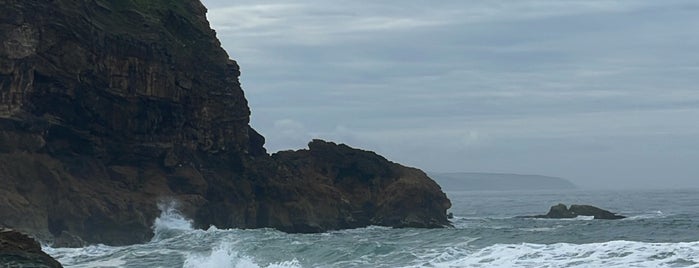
(662, 231)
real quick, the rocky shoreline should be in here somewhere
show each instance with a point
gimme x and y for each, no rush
(107, 108)
(19, 250)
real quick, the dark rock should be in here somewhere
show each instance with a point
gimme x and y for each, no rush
(599, 213)
(560, 211)
(68, 240)
(19, 250)
(365, 188)
(107, 107)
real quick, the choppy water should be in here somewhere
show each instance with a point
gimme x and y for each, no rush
(662, 231)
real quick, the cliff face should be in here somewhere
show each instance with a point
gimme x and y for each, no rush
(108, 107)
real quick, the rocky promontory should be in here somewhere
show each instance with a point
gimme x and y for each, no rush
(109, 107)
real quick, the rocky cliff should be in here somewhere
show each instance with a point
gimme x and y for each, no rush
(108, 107)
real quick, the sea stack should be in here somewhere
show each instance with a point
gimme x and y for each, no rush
(108, 107)
(560, 211)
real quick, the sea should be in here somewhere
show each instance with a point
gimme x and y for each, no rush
(662, 230)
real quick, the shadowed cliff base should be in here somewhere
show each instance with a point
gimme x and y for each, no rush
(108, 107)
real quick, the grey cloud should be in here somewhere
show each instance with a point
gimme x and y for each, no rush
(588, 90)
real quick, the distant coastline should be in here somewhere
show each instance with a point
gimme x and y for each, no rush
(474, 181)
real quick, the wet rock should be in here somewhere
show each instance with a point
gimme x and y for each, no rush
(19, 250)
(560, 211)
(68, 240)
(366, 188)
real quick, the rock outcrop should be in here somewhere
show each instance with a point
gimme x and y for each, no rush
(366, 189)
(19, 250)
(108, 107)
(560, 211)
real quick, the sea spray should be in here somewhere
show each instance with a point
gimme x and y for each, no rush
(170, 222)
(224, 256)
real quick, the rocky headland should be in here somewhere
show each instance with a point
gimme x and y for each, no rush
(109, 107)
(561, 211)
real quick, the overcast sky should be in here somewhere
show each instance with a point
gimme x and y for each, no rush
(603, 93)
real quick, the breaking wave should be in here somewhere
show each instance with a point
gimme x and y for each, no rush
(607, 254)
(171, 222)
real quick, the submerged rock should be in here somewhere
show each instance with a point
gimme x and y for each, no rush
(19, 250)
(560, 211)
(109, 107)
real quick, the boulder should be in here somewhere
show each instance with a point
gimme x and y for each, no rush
(560, 211)
(19, 250)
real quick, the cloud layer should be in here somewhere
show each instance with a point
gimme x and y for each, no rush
(601, 92)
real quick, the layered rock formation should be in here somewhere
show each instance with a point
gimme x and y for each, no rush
(108, 107)
(19, 250)
(560, 211)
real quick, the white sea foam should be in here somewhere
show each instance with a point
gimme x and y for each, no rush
(608, 254)
(90, 256)
(650, 215)
(540, 229)
(226, 256)
(106, 263)
(584, 218)
(170, 221)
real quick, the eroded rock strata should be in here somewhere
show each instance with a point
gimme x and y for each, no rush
(108, 107)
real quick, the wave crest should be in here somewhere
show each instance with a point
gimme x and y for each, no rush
(225, 256)
(171, 222)
(607, 254)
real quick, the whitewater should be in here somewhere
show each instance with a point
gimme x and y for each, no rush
(662, 231)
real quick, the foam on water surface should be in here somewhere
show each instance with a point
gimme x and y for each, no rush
(226, 257)
(608, 254)
(650, 215)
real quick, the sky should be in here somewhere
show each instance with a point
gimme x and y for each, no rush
(602, 93)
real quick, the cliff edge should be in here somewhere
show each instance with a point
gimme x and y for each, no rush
(108, 107)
